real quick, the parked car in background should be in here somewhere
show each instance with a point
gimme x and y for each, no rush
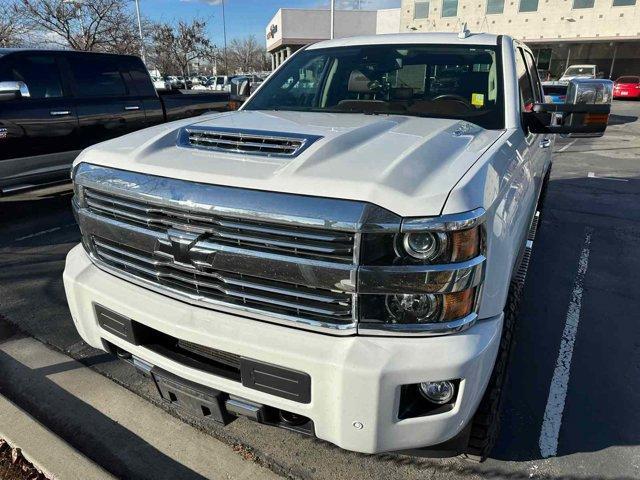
(343, 257)
(580, 71)
(555, 92)
(204, 85)
(627, 87)
(223, 83)
(160, 84)
(55, 103)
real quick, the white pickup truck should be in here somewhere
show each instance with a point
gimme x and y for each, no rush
(343, 257)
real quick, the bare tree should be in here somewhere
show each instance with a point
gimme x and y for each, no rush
(13, 28)
(175, 47)
(88, 25)
(246, 55)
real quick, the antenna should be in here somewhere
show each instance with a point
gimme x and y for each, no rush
(464, 32)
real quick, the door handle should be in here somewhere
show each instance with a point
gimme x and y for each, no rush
(59, 113)
(132, 107)
(545, 143)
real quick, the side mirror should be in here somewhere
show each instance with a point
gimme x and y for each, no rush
(13, 90)
(585, 112)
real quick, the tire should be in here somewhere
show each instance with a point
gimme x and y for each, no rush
(486, 422)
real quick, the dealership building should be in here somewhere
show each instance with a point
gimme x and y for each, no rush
(292, 28)
(560, 32)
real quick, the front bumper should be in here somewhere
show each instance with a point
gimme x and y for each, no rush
(353, 379)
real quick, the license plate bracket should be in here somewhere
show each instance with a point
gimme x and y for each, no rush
(202, 402)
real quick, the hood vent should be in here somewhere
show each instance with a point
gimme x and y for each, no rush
(255, 142)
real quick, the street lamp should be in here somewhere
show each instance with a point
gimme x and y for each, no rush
(144, 59)
(224, 32)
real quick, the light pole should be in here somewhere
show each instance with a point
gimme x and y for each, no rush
(144, 59)
(333, 14)
(224, 33)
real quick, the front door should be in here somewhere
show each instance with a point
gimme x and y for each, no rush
(38, 133)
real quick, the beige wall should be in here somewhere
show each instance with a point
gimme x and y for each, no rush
(554, 20)
(299, 26)
(388, 21)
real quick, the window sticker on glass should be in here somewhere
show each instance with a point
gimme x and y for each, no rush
(477, 99)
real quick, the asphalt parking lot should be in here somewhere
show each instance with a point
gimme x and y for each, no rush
(573, 395)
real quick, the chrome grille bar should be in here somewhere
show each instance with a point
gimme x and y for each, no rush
(304, 242)
(293, 299)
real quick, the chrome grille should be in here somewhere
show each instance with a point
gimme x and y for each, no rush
(209, 285)
(246, 141)
(290, 240)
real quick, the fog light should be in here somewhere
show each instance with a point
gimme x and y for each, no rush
(438, 392)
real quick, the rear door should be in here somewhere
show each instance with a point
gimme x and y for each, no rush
(142, 93)
(102, 98)
(38, 134)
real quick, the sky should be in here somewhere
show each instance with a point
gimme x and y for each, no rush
(243, 17)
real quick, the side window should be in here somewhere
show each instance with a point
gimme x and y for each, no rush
(40, 73)
(535, 78)
(97, 76)
(139, 78)
(527, 98)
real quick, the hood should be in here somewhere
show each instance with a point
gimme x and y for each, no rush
(405, 164)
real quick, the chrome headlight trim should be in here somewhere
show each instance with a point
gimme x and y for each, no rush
(445, 223)
(417, 329)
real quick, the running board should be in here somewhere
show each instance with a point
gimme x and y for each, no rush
(521, 274)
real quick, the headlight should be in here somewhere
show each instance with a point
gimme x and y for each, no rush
(440, 247)
(424, 279)
(426, 246)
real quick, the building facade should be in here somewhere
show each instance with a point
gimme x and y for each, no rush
(560, 32)
(290, 29)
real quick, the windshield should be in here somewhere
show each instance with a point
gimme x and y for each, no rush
(418, 80)
(580, 71)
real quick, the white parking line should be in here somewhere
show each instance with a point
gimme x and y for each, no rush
(566, 146)
(559, 383)
(593, 175)
(44, 232)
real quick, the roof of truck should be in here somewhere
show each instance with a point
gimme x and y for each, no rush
(410, 38)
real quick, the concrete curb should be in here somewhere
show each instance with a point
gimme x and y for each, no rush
(45, 450)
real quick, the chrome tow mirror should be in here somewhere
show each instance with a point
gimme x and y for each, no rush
(585, 112)
(11, 90)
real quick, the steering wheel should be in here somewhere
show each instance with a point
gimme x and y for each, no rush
(453, 98)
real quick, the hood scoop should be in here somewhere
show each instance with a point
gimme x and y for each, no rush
(255, 142)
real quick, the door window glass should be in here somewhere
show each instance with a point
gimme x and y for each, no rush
(97, 76)
(39, 72)
(533, 73)
(139, 78)
(527, 98)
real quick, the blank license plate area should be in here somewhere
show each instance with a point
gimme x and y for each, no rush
(199, 401)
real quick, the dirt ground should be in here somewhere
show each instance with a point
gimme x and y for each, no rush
(13, 466)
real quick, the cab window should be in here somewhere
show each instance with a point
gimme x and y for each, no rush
(97, 76)
(39, 72)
